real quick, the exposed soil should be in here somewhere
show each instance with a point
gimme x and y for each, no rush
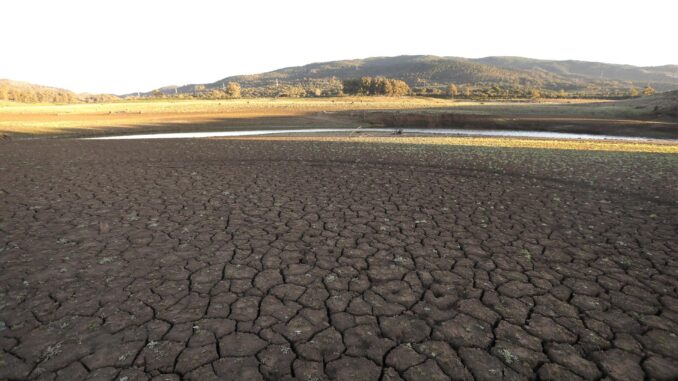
(246, 260)
(585, 125)
(636, 117)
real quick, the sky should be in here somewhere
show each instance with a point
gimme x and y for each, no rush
(124, 46)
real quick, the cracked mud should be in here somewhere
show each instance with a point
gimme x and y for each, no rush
(258, 260)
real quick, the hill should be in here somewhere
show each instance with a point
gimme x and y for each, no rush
(592, 78)
(660, 77)
(24, 92)
(30, 93)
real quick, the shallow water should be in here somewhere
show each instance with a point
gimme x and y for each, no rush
(184, 135)
(415, 131)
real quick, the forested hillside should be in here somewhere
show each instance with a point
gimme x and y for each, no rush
(484, 77)
(23, 92)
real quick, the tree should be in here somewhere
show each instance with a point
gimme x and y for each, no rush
(452, 90)
(216, 94)
(648, 90)
(352, 86)
(495, 91)
(381, 86)
(387, 87)
(633, 92)
(399, 88)
(12, 95)
(376, 86)
(233, 90)
(367, 85)
(535, 93)
(296, 92)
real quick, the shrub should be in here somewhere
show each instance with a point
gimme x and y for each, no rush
(232, 90)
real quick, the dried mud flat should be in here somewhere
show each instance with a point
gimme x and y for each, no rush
(246, 260)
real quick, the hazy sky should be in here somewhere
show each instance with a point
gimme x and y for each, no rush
(121, 46)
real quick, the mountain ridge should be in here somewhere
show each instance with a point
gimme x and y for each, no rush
(425, 72)
(430, 70)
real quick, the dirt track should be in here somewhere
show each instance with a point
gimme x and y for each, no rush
(232, 259)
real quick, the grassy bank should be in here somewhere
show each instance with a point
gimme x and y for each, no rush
(188, 115)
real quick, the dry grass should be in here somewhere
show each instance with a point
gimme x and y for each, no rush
(26, 119)
(583, 145)
(192, 106)
(49, 119)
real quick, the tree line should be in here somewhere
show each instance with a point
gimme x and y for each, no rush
(325, 87)
(495, 91)
(35, 95)
(329, 87)
(376, 86)
(383, 86)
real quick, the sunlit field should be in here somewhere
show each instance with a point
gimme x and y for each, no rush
(186, 115)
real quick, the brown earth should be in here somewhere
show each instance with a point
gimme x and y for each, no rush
(235, 259)
(583, 125)
(624, 118)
